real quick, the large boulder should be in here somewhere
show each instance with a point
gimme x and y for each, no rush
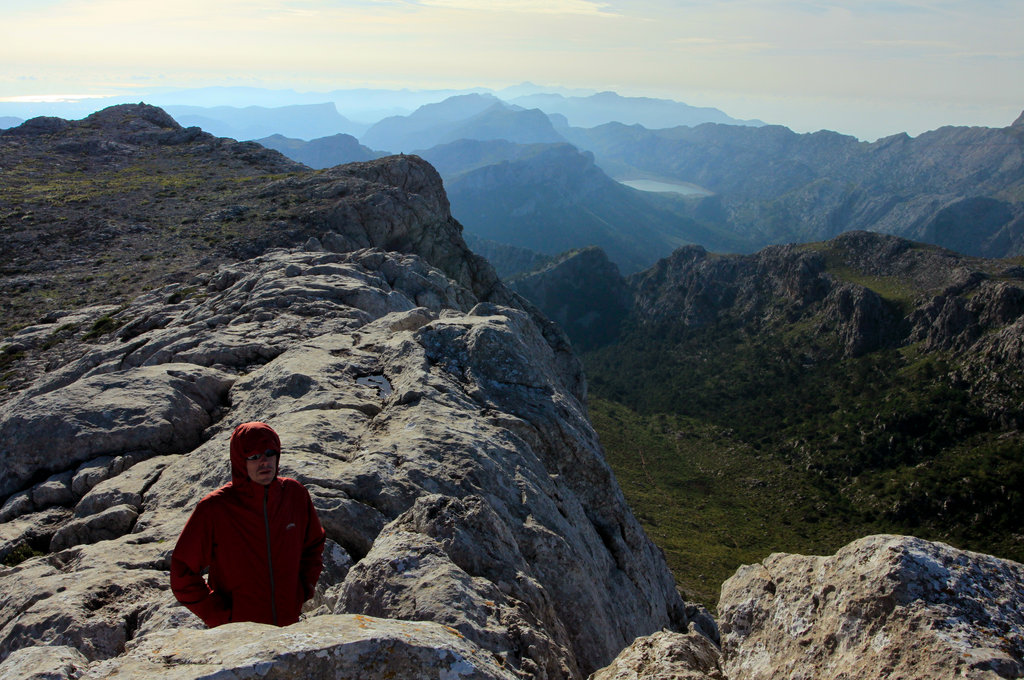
(883, 606)
(666, 655)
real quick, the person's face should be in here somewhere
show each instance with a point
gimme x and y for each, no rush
(262, 467)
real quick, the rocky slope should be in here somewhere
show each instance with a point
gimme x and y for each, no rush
(959, 188)
(438, 423)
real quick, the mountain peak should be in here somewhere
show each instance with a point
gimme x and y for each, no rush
(132, 116)
(1020, 120)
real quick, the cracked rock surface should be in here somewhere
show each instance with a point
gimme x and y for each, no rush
(442, 439)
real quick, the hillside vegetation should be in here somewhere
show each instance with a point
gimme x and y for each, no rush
(790, 400)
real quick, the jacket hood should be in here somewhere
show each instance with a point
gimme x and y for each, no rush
(246, 440)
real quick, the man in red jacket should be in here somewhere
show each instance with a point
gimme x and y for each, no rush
(259, 535)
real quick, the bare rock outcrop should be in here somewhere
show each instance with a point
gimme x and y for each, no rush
(442, 440)
(666, 655)
(352, 646)
(154, 410)
(883, 606)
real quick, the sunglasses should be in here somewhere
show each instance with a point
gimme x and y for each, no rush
(269, 453)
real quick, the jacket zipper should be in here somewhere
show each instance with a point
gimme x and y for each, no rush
(270, 559)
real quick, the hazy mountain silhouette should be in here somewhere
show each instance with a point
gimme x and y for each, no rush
(472, 116)
(324, 152)
(303, 121)
(608, 107)
(551, 198)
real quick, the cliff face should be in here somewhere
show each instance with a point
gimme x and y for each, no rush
(869, 290)
(583, 293)
(436, 422)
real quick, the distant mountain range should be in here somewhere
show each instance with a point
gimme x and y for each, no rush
(471, 116)
(325, 152)
(305, 121)
(552, 197)
(605, 107)
(962, 188)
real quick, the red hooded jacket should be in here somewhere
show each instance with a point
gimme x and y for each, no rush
(263, 545)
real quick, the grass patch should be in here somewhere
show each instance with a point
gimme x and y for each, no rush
(23, 552)
(713, 502)
(108, 323)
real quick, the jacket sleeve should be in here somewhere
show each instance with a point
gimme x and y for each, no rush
(311, 562)
(191, 555)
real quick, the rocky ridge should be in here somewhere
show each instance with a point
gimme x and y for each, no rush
(453, 469)
(869, 291)
(436, 419)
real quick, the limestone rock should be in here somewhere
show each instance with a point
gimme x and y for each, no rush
(124, 489)
(666, 656)
(322, 647)
(93, 598)
(54, 491)
(883, 606)
(44, 663)
(161, 409)
(435, 417)
(31, 531)
(110, 523)
(441, 437)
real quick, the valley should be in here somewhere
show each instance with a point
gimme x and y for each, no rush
(791, 399)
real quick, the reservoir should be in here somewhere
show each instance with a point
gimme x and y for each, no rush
(662, 186)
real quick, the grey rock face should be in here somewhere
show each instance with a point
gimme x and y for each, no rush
(44, 663)
(883, 606)
(666, 656)
(158, 409)
(441, 437)
(110, 523)
(321, 647)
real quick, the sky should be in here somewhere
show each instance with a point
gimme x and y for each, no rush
(870, 68)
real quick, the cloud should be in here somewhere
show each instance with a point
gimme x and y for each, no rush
(51, 98)
(585, 7)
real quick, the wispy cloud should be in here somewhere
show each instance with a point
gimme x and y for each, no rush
(51, 98)
(585, 7)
